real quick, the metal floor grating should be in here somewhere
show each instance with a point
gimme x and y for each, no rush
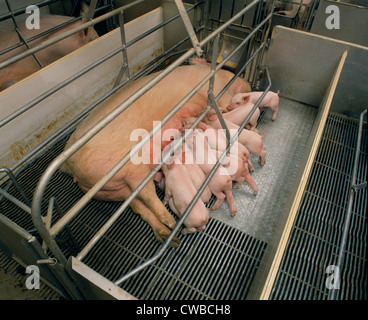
(316, 235)
(217, 263)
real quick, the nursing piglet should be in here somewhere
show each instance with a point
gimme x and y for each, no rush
(271, 100)
(238, 115)
(238, 170)
(179, 192)
(198, 177)
(194, 171)
(217, 140)
(221, 182)
(250, 139)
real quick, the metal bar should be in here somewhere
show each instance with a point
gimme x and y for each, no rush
(92, 9)
(188, 25)
(211, 97)
(124, 68)
(18, 203)
(333, 294)
(27, 45)
(16, 184)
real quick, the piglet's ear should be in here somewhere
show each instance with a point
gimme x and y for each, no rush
(158, 176)
(212, 116)
(246, 99)
(238, 89)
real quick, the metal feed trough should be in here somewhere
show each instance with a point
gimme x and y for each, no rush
(310, 214)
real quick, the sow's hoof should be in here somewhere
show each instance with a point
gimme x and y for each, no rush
(162, 235)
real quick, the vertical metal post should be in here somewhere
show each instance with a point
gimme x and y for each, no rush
(124, 70)
(205, 17)
(189, 27)
(211, 96)
(92, 9)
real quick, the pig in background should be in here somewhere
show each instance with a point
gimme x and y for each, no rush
(270, 100)
(25, 67)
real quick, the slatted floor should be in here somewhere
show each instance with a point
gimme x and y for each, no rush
(316, 235)
(217, 263)
(220, 262)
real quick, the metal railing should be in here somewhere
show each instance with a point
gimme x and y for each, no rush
(47, 231)
(354, 187)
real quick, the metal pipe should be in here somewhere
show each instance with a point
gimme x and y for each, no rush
(36, 207)
(340, 261)
(188, 25)
(18, 203)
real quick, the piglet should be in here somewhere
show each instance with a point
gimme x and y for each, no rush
(197, 176)
(238, 170)
(250, 139)
(238, 115)
(179, 192)
(221, 182)
(270, 100)
(217, 140)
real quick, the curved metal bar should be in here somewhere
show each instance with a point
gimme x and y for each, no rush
(58, 161)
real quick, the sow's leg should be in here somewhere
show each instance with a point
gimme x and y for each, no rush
(152, 210)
